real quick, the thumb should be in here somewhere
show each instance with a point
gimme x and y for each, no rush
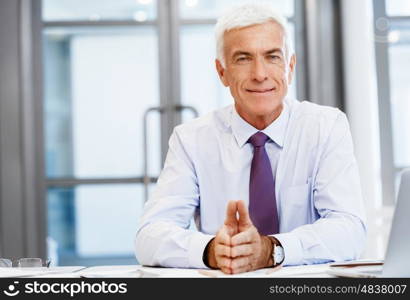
(231, 213)
(244, 219)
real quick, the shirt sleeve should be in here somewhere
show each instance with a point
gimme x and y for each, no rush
(340, 232)
(163, 236)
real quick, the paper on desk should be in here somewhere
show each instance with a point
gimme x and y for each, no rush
(318, 270)
(170, 272)
(293, 271)
(39, 272)
(126, 271)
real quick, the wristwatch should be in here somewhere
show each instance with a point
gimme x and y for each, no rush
(278, 254)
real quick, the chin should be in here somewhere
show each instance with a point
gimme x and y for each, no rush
(262, 108)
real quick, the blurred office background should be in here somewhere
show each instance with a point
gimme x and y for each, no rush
(90, 91)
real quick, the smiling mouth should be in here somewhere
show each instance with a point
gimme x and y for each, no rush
(260, 91)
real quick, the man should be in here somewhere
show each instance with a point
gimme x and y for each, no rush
(289, 164)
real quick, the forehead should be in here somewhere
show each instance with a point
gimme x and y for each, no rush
(260, 37)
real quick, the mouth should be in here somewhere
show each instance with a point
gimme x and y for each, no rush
(260, 91)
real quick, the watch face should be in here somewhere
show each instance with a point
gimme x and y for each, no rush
(279, 255)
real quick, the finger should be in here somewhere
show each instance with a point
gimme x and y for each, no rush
(226, 270)
(222, 250)
(231, 213)
(240, 262)
(243, 269)
(231, 230)
(223, 238)
(244, 237)
(244, 219)
(223, 262)
(241, 250)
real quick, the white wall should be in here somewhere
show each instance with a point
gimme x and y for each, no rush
(362, 110)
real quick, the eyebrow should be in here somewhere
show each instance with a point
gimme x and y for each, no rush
(239, 52)
(274, 50)
(271, 51)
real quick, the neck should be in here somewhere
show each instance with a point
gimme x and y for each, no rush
(260, 122)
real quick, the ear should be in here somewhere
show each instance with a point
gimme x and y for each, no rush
(292, 65)
(221, 72)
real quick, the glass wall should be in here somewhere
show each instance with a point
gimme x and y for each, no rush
(392, 25)
(399, 58)
(98, 10)
(99, 81)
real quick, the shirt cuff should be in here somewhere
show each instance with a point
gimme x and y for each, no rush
(292, 248)
(196, 249)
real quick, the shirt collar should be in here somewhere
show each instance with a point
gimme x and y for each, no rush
(242, 130)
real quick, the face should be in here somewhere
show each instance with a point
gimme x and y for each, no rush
(256, 70)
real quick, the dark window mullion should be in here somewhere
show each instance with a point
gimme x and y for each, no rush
(98, 24)
(64, 182)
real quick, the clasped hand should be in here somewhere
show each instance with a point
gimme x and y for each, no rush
(238, 247)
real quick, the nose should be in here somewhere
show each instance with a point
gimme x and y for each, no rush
(259, 71)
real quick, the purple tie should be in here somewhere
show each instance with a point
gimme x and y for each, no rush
(262, 200)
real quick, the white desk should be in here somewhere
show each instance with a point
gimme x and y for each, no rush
(137, 271)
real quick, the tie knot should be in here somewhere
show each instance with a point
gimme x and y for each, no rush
(258, 139)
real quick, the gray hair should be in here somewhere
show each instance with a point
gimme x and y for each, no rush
(247, 15)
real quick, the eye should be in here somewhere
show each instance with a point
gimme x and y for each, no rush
(274, 57)
(242, 59)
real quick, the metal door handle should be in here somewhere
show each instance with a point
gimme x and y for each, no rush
(160, 110)
(146, 177)
(180, 108)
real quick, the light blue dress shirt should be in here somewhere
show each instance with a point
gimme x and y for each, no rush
(318, 193)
